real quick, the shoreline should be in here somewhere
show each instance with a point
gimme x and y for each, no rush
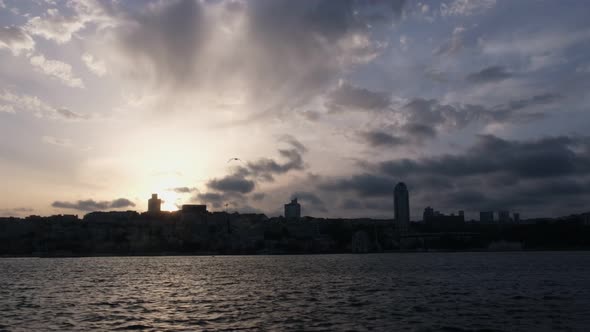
(210, 254)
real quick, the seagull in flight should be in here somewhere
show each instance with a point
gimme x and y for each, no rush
(236, 159)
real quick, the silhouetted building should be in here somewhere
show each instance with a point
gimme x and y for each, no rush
(504, 216)
(401, 207)
(486, 216)
(193, 212)
(436, 221)
(462, 213)
(428, 213)
(293, 210)
(194, 208)
(154, 204)
(516, 217)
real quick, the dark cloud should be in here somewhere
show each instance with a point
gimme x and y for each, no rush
(258, 196)
(294, 143)
(266, 168)
(379, 138)
(543, 158)
(348, 97)
(310, 202)
(490, 74)
(243, 179)
(311, 115)
(231, 183)
(548, 176)
(214, 199)
(419, 131)
(308, 197)
(121, 203)
(424, 116)
(182, 190)
(363, 185)
(543, 99)
(92, 205)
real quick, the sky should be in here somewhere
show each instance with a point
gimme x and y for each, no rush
(475, 105)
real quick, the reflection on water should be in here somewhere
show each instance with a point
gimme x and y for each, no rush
(412, 292)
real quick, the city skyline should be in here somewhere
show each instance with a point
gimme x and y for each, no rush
(245, 105)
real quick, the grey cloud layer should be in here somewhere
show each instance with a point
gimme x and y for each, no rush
(494, 173)
(92, 205)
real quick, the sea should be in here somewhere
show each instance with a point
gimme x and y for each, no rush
(477, 291)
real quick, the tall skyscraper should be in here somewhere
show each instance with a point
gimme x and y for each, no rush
(154, 204)
(401, 207)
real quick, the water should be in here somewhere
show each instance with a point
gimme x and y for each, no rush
(529, 291)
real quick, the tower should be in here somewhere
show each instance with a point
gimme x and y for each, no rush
(154, 204)
(293, 210)
(401, 207)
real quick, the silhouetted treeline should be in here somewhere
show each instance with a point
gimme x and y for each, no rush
(131, 233)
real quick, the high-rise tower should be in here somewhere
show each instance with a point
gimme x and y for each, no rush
(401, 208)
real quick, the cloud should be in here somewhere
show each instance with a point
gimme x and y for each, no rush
(63, 142)
(231, 183)
(348, 97)
(53, 25)
(547, 176)
(182, 190)
(379, 138)
(418, 112)
(70, 115)
(310, 198)
(541, 48)
(364, 185)
(258, 196)
(294, 143)
(244, 178)
(96, 66)
(548, 157)
(240, 48)
(419, 132)
(453, 45)
(214, 199)
(266, 168)
(11, 102)
(466, 7)
(489, 74)
(16, 40)
(56, 69)
(92, 205)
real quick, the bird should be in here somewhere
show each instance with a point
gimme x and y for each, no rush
(232, 159)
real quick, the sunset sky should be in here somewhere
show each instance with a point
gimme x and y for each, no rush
(475, 105)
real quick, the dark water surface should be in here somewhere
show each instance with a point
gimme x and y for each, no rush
(528, 291)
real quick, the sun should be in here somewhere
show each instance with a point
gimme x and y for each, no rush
(170, 199)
